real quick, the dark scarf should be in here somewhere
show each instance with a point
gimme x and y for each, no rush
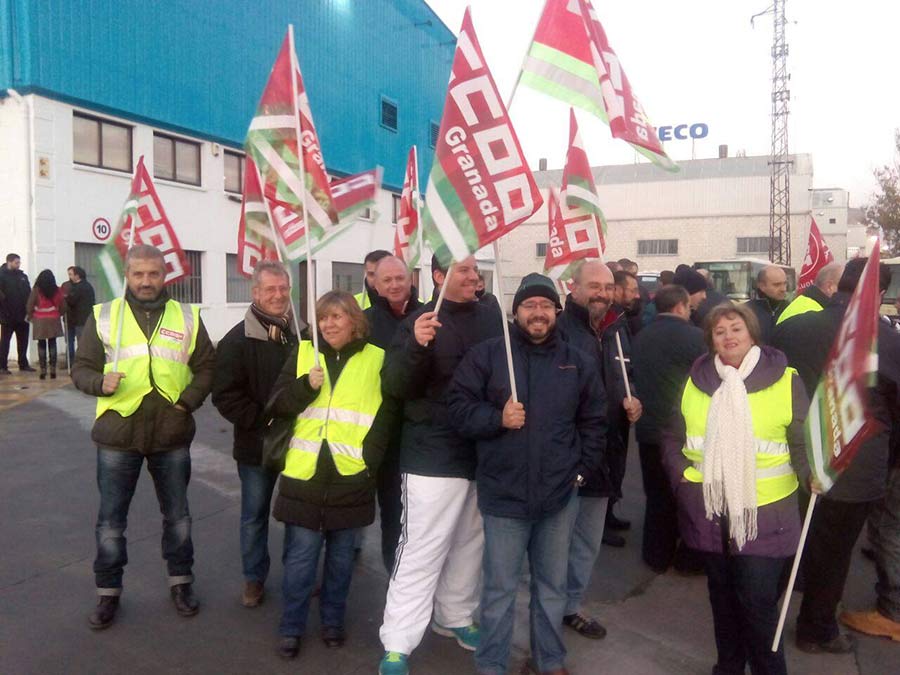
(278, 327)
(147, 305)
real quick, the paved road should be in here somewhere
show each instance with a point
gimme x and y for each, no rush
(657, 624)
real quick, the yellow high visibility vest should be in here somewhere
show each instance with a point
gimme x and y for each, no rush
(363, 299)
(341, 415)
(159, 363)
(800, 305)
(772, 411)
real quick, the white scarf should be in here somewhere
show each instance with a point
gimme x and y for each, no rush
(729, 452)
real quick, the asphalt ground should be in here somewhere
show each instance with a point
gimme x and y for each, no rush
(657, 623)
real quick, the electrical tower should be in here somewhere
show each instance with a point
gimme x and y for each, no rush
(780, 161)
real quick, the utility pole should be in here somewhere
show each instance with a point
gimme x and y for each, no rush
(780, 160)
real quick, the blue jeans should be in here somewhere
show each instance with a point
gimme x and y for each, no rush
(72, 333)
(301, 560)
(587, 538)
(257, 485)
(117, 476)
(506, 541)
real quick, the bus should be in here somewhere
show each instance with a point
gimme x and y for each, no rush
(736, 278)
(889, 302)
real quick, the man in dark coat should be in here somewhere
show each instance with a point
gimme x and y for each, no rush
(397, 298)
(531, 454)
(771, 291)
(591, 323)
(79, 296)
(840, 514)
(695, 284)
(438, 560)
(663, 355)
(14, 292)
(159, 429)
(249, 359)
(713, 298)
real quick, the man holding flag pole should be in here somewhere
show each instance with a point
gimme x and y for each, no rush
(150, 363)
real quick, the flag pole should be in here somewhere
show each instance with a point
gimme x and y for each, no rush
(310, 277)
(498, 288)
(278, 243)
(121, 321)
(790, 587)
(622, 363)
(418, 198)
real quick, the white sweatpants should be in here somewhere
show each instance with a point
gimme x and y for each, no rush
(438, 561)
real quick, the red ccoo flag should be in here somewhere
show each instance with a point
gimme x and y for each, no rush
(817, 256)
(573, 237)
(407, 237)
(255, 241)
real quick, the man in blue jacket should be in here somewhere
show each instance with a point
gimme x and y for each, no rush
(532, 455)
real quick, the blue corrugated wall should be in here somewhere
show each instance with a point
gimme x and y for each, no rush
(198, 66)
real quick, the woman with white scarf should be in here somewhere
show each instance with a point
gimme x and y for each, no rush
(734, 454)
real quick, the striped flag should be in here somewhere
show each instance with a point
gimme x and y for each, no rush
(573, 238)
(280, 137)
(839, 419)
(480, 186)
(144, 209)
(578, 181)
(255, 240)
(407, 235)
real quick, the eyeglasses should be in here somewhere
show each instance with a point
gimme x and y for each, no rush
(532, 306)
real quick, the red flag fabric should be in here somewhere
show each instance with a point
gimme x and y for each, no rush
(153, 226)
(839, 419)
(480, 186)
(817, 256)
(406, 235)
(255, 241)
(573, 237)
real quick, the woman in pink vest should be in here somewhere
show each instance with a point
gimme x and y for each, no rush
(44, 308)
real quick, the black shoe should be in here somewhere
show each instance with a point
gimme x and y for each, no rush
(26, 369)
(43, 375)
(613, 539)
(842, 644)
(614, 523)
(5, 371)
(585, 625)
(52, 374)
(333, 636)
(102, 617)
(183, 598)
(289, 647)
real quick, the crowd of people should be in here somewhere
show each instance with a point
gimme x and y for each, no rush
(45, 306)
(479, 457)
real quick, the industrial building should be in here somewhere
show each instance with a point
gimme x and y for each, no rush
(84, 94)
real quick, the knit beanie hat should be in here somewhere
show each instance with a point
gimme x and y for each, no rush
(690, 278)
(536, 285)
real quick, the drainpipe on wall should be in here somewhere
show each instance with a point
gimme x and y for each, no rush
(31, 214)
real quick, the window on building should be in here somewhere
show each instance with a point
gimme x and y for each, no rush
(101, 143)
(540, 250)
(434, 130)
(395, 208)
(347, 276)
(176, 159)
(234, 172)
(189, 288)
(657, 247)
(365, 214)
(300, 280)
(748, 245)
(237, 286)
(832, 221)
(388, 114)
(86, 258)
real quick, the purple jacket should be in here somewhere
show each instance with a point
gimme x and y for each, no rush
(778, 523)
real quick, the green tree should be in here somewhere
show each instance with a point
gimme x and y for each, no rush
(884, 209)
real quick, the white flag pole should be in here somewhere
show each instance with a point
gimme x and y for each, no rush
(498, 289)
(622, 363)
(310, 277)
(121, 321)
(277, 241)
(418, 205)
(790, 587)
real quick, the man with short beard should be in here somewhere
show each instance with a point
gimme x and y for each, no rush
(590, 323)
(531, 455)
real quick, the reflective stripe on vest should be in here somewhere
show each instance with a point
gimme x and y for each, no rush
(800, 305)
(160, 362)
(341, 415)
(771, 410)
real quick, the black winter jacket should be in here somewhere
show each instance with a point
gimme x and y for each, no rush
(14, 292)
(419, 376)
(530, 473)
(574, 326)
(806, 339)
(247, 365)
(383, 323)
(663, 355)
(157, 425)
(79, 302)
(328, 500)
(767, 312)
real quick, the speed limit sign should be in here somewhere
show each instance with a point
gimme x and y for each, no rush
(101, 229)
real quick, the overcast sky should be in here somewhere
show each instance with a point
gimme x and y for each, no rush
(701, 61)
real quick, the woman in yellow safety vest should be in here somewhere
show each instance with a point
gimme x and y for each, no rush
(326, 490)
(734, 455)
